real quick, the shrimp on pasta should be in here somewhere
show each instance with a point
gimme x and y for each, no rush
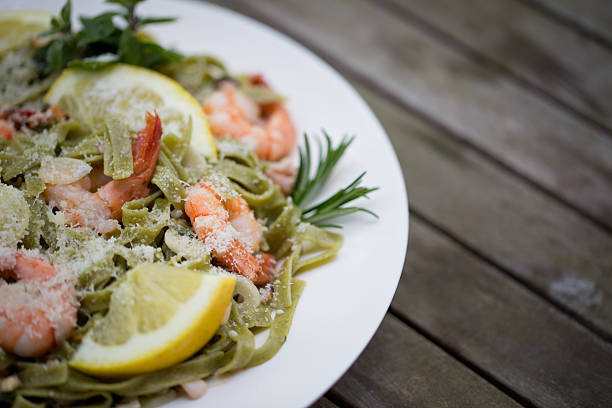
(38, 306)
(101, 210)
(230, 228)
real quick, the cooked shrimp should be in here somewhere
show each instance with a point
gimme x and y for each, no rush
(14, 119)
(101, 210)
(7, 129)
(282, 173)
(38, 306)
(230, 229)
(266, 129)
(243, 220)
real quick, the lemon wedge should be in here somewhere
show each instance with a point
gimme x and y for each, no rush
(125, 93)
(17, 26)
(158, 316)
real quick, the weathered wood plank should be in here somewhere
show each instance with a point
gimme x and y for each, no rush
(520, 129)
(547, 54)
(500, 327)
(323, 403)
(527, 233)
(400, 368)
(595, 15)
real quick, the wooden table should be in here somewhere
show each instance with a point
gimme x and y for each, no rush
(500, 112)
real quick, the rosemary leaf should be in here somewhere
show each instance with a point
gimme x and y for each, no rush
(306, 188)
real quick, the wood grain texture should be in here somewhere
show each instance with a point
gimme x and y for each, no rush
(523, 131)
(530, 235)
(549, 55)
(500, 327)
(595, 15)
(400, 368)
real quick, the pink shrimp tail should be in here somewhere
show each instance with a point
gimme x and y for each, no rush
(279, 136)
(146, 147)
(267, 262)
(33, 327)
(145, 151)
(29, 268)
(267, 128)
(210, 218)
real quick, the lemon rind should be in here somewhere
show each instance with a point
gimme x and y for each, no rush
(202, 141)
(183, 335)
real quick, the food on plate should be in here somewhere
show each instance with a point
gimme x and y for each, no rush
(141, 250)
(189, 307)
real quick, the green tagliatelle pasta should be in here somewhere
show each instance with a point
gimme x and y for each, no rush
(147, 226)
(105, 260)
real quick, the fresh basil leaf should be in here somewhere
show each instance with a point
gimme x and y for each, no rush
(97, 28)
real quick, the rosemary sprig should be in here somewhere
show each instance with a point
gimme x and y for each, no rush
(306, 188)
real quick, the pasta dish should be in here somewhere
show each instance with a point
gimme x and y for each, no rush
(153, 217)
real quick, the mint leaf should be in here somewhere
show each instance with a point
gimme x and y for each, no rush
(57, 55)
(130, 50)
(99, 28)
(147, 54)
(101, 37)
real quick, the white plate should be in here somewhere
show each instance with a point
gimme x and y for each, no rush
(345, 300)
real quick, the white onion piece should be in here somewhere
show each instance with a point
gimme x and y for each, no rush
(195, 389)
(282, 173)
(249, 293)
(226, 314)
(9, 383)
(248, 106)
(184, 245)
(62, 170)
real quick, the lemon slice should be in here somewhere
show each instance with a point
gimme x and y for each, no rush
(17, 26)
(125, 93)
(158, 316)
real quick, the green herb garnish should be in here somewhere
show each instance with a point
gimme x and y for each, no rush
(306, 188)
(101, 42)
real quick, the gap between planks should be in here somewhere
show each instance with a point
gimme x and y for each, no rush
(400, 367)
(468, 308)
(574, 24)
(490, 63)
(390, 96)
(603, 335)
(415, 212)
(485, 375)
